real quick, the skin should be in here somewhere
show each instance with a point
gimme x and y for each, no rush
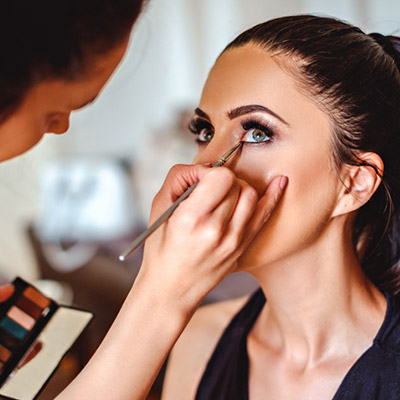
(322, 312)
(310, 197)
(192, 252)
(43, 110)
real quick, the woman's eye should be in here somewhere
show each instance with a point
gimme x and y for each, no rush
(256, 135)
(203, 130)
(205, 135)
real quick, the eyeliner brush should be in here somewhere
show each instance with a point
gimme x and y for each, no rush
(140, 239)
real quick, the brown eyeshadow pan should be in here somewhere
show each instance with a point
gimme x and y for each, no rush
(4, 354)
(8, 340)
(30, 308)
(33, 295)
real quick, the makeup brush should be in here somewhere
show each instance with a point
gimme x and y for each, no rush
(140, 239)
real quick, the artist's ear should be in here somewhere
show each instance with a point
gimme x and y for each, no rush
(360, 183)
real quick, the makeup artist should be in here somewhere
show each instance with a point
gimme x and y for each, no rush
(56, 58)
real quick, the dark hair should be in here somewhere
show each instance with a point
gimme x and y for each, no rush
(355, 79)
(56, 39)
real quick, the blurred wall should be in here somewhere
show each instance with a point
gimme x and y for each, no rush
(172, 48)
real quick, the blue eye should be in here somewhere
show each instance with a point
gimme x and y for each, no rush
(256, 133)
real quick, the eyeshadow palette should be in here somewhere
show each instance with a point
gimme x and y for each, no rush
(35, 334)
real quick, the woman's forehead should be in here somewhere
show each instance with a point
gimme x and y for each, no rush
(252, 75)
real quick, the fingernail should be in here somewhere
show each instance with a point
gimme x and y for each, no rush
(206, 164)
(283, 182)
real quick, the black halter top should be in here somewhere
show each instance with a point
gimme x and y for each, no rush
(230, 356)
(374, 376)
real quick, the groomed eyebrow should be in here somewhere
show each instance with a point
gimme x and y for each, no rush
(242, 110)
(202, 114)
(247, 109)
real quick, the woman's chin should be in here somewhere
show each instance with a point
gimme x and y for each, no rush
(248, 263)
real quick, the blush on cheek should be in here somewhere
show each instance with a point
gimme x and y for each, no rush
(298, 220)
(259, 178)
(253, 170)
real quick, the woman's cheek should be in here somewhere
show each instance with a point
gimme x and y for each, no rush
(258, 172)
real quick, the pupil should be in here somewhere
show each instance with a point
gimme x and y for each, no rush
(258, 135)
(208, 135)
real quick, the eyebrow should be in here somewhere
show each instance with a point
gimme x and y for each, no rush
(202, 114)
(247, 109)
(243, 110)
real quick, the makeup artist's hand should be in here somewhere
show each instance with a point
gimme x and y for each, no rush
(183, 260)
(201, 242)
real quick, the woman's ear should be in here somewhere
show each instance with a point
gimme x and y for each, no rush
(360, 183)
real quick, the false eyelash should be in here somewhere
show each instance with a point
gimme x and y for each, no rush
(196, 125)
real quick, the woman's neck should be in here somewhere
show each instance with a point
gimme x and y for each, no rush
(317, 303)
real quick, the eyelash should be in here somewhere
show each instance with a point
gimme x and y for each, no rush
(250, 124)
(196, 126)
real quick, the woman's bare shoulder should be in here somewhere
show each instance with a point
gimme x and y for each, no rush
(190, 355)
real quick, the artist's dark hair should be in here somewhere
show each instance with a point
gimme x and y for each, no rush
(56, 39)
(355, 79)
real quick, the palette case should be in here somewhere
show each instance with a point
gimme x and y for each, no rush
(31, 322)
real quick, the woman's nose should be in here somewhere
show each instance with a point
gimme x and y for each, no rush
(213, 151)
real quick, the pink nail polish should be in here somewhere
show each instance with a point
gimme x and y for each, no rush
(283, 182)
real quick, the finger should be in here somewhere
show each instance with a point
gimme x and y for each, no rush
(264, 208)
(180, 177)
(219, 219)
(196, 214)
(211, 191)
(245, 207)
(6, 292)
(178, 180)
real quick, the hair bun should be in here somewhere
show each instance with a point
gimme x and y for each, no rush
(388, 46)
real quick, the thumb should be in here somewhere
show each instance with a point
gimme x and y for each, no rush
(265, 207)
(6, 292)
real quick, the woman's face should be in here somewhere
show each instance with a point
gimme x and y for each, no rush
(47, 106)
(248, 95)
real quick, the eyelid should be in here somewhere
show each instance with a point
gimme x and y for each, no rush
(251, 124)
(261, 123)
(201, 121)
(258, 119)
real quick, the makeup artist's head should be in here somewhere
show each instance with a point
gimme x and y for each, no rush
(317, 100)
(55, 58)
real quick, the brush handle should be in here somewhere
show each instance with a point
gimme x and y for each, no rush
(140, 239)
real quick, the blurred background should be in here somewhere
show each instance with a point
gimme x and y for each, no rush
(74, 202)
